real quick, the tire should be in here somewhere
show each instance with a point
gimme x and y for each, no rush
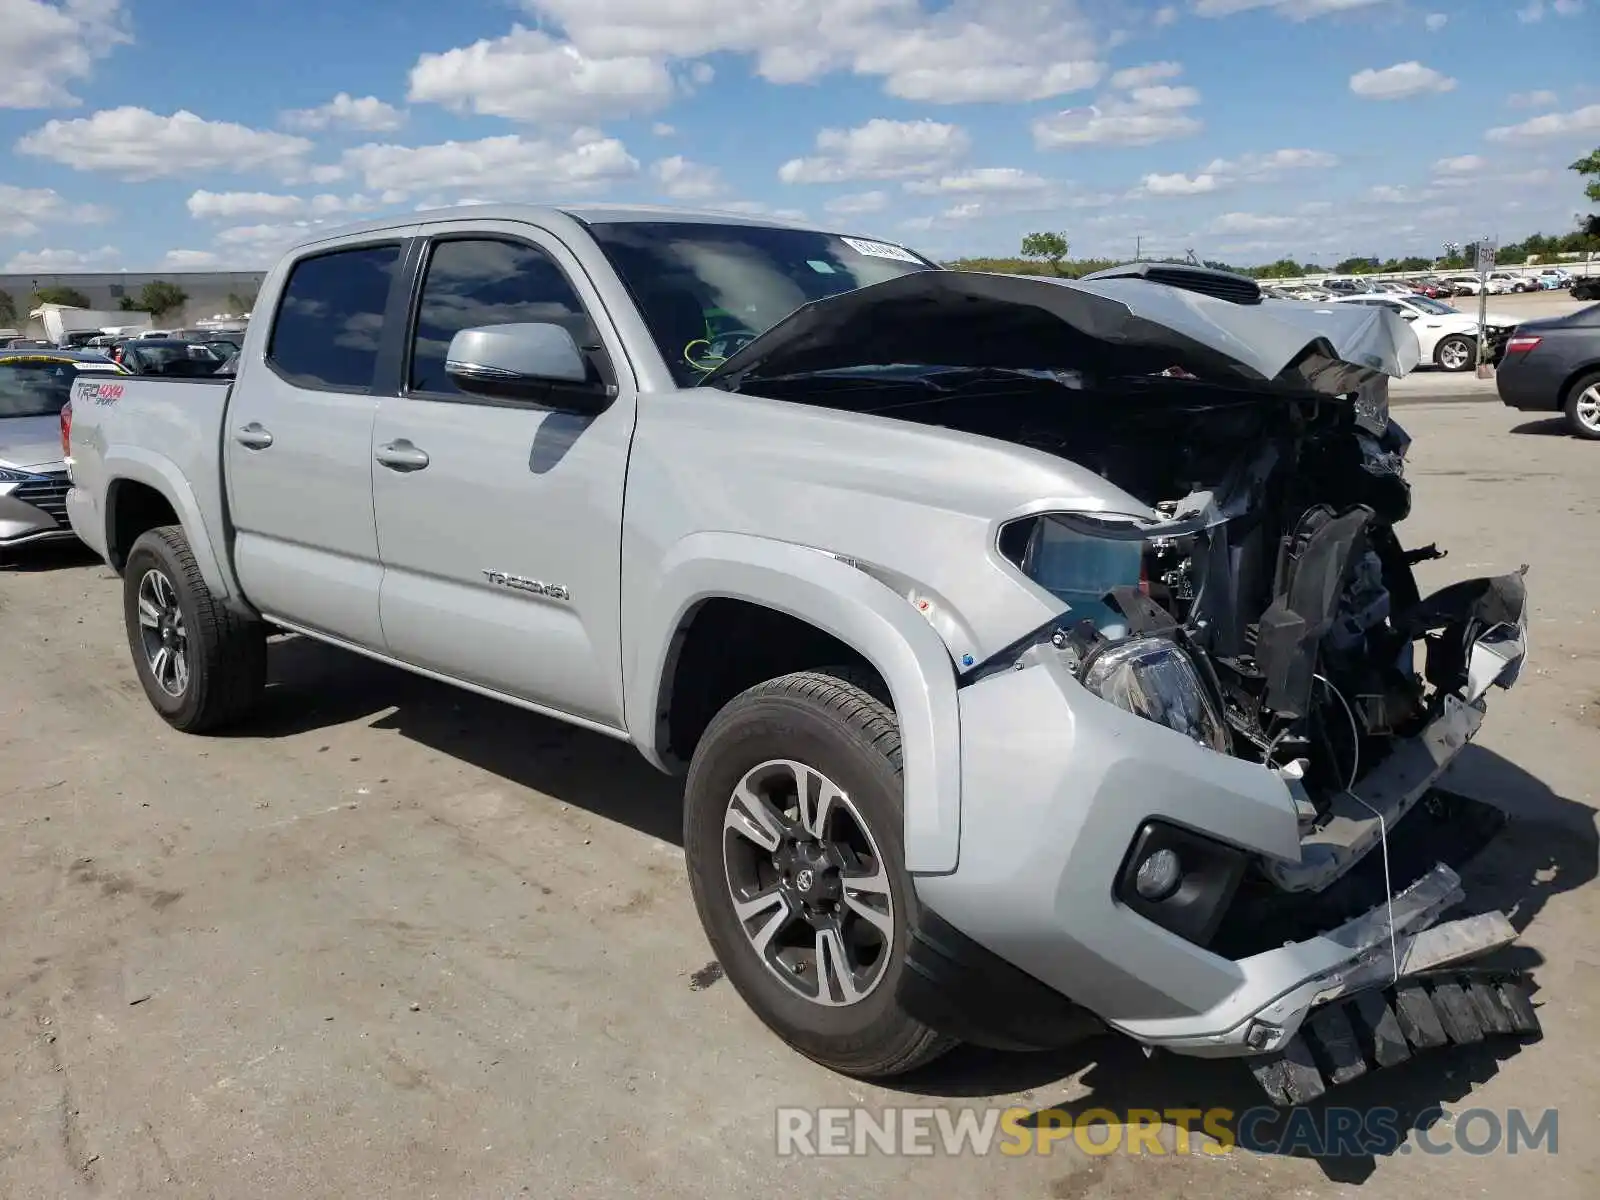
(216, 664)
(1582, 407)
(843, 733)
(1455, 353)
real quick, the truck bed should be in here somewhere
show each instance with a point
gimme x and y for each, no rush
(166, 433)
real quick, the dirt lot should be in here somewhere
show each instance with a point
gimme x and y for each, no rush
(395, 941)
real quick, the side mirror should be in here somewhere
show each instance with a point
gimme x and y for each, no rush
(534, 360)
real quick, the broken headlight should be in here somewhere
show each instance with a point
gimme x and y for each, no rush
(1153, 678)
(1079, 566)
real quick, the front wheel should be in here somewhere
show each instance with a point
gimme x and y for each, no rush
(201, 665)
(1583, 407)
(1455, 353)
(792, 830)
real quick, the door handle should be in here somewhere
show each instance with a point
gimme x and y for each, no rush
(401, 455)
(254, 436)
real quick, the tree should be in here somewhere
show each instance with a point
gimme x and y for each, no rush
(241, 304)
(1588, 167)
(8, 308)
(71, 297)
(158, 298)
(1052, 247)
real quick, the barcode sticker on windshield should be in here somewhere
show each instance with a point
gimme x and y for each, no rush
(880, 250)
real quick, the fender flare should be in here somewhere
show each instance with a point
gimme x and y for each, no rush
(814, 586)
(136, 465)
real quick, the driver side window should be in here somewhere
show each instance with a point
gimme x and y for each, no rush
(472, 282)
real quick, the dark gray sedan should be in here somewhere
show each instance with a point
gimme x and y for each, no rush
(1553, 365)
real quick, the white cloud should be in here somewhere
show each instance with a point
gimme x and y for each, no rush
(982, 180)
(529, 76)
(1133, 77)
(205, 205)
(346, 112)
(685, 180)
(1256, 167)
(1385, 193)
(1164, 16)
(1178, 184)
(1543, 98)
(1534, 12)
(138, 144)
(1434, 22)
(1464, 164)
(24, 210)
(232, 206)
(1243, 222)
(44, 47)
(1580, 122)
(1141, 116)
(62, 260)
(857, 204)
(191, 260)
(505, 167)
(1294, 10)
(880, 149)
(663, 130)
(756, 208)
(1399, 81)
(967, 51)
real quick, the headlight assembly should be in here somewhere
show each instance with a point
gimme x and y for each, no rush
(1153, 678)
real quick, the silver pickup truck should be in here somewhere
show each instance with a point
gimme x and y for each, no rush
(1040, 654)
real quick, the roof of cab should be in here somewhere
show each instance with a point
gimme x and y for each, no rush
(548, 215)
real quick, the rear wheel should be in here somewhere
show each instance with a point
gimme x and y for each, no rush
(792, 830)
(1583, 407)
(201, 665)
(1454, 353)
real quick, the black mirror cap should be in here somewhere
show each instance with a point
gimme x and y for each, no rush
(589, 398)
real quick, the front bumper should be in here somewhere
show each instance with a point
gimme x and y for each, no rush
(1057, 785)
(35, 509)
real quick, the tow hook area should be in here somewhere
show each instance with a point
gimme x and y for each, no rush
(1384, 1027)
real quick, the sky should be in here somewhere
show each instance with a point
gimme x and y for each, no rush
(163, 135)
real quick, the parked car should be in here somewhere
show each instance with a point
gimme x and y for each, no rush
(34, 386)
(1346, 286)
(1553, 365)
(1510, 281)
(166, 356)
(929, 581)
(1446, 337)
(1587, 288)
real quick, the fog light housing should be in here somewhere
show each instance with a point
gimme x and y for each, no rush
(1159, 875)
(1180, 879)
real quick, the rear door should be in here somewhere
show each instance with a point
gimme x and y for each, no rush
(500, 521)
(298, 440)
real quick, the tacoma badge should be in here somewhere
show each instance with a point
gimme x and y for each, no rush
(554, 591)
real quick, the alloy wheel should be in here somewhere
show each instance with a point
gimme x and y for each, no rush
(162, 633)
(1588, 407)
(808, 883)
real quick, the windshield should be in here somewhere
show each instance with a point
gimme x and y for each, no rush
(705, 290)
(34, 387)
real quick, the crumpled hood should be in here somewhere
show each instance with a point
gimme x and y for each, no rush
(1117, 326)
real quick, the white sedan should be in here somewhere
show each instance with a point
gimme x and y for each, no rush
(1446, 337)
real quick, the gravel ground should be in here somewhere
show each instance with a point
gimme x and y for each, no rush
(394, 941)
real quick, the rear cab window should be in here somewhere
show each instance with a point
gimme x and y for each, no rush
(330, 317)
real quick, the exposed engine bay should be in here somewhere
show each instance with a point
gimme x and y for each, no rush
(1274, 565)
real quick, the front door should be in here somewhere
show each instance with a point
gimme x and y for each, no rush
(298, 443)
(500, 522)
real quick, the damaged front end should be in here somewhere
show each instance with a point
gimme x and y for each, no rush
(1238, 890)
